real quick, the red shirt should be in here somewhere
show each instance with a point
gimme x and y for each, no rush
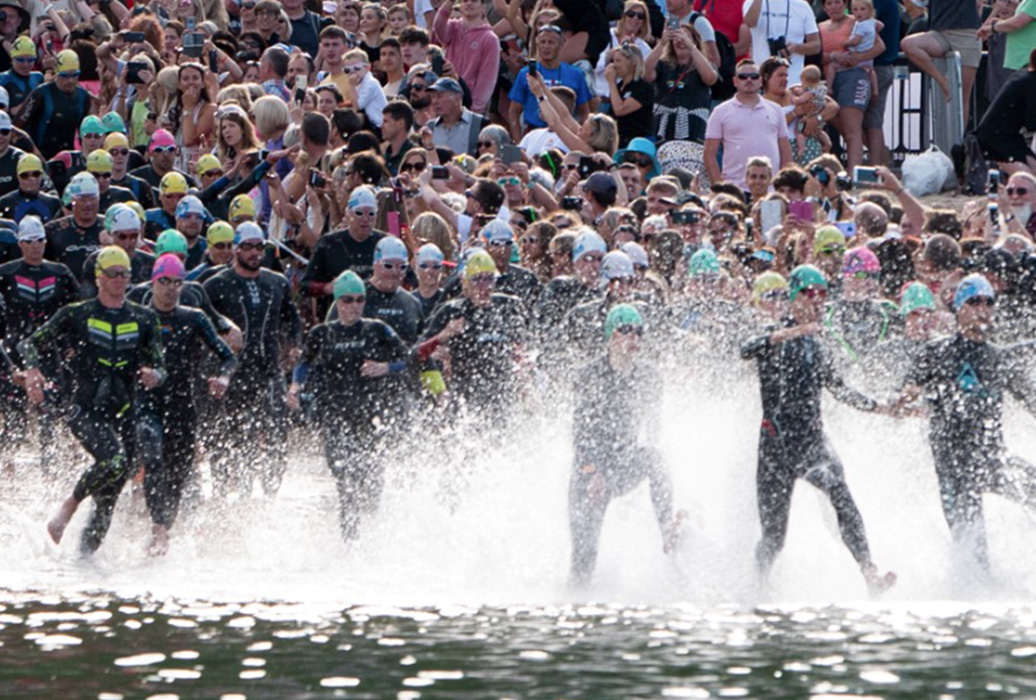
(725, 16)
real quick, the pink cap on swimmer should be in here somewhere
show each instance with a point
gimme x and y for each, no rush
(168, 265)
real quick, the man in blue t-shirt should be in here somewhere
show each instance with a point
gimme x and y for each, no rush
(553, 72)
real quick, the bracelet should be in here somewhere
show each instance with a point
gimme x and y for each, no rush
(541, 98)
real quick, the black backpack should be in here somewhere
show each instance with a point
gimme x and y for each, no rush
(724, 88)
(976, 169)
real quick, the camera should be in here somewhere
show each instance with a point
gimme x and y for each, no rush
(843, 182)
(820, 174)
(778, 46)
(572, 203)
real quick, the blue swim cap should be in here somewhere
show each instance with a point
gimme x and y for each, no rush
(974, 285)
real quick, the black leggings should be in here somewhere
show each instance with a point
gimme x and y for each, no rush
(814, 461)
(110, 440)
(964, 475)
(168, 460)
(253, 432)
(590, 492)
(354, 457)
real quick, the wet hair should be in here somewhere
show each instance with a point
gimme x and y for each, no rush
(369, 166)
(942, 253)
(943, 221)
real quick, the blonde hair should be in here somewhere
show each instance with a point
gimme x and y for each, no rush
(633, 53)
(271, 115)
(811, 75)
(868, 3)
(645, 24)
(356, 55)
(604, 134)
(431, 227)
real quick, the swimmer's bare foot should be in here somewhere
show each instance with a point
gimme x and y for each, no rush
(674, 533)
(159, 545)
(56, 527)
(878, 583)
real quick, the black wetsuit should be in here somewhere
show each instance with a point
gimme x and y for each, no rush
(167, 416)
(582, 330)
(71, 244)
(348, 403)
(193, 294)
(792, 444)
(334, 254)
(254, 412)
(399, 309)
(559, 297)
(612, 409)
(141, 264)
(140, 188)
(111, 346)
(17, 205)
(858, 328)
(115, 195)
(965, 383)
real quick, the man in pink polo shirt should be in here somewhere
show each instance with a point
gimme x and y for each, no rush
(745, 126)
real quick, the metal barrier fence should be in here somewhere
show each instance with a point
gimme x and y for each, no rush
(917, 115)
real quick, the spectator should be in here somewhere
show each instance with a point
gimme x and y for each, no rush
(1014, 110)
(397, 120)
(362, 90)
(684, 11)
(632, 98)
(682, 76)
(305, 26)
(392, 66)
(491, 139)
(785, 28)
(746, 125)
(373, 21)
(1021, 200)
(472, 48)
(455, 126)
(192, 117)
(952, 26)
(1020, 31)
(727, 18)
(633, 27)
(775, 88)
(551, 71)
(886, 12)
(758, 174)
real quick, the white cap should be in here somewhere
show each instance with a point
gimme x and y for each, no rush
(391, 248)
(5, 99)
(617, 265)
(248, 231)
(5, 120)
(190, 205)
(30, 228)
(363, 196)
(82, 184)
(638, 256)
(429, 252)
(588, 242)
(124, 219)
(497, 230)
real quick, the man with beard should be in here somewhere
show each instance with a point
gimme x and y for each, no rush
(71, 239)
(1021, 198)
(254, 421)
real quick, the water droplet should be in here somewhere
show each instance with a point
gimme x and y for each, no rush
(55, 641)
(140, 660)
(179, 674)
(339, 682)
(185, 655)
(252, 675)
(883, 677)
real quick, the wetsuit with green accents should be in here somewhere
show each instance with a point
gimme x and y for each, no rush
(111, 346)
(792, 443)
(859, 327)
(965, 382)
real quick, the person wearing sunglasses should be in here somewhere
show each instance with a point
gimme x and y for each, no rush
(28, 198)
(745, 126)
(859, 321)
(964, 379)
(253, 420)
(363, 367)
(54, 110)
(498, 239)
(219, 252)
(20, 79)
(429, 264)
(99, 164)
(616, 435)
(122, 228)
(1021, 198)
(117, 145)
(794, 367)
(107, 376)
(633, 27)
(71, 239)
(565, 292)
(161, 151)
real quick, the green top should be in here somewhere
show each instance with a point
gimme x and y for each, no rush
(1020, 42)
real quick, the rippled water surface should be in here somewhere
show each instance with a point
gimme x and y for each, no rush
(458, 587)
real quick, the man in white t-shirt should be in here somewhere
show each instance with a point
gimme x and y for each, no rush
(770, 20)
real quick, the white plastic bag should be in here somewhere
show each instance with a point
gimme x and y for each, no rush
(928, 173)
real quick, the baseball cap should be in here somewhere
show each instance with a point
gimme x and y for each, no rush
(30, 228)
(447, 85)
(173, 183)
(601, 184)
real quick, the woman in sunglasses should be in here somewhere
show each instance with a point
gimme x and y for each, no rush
(682, 77)
(633, 27)
(491, 139)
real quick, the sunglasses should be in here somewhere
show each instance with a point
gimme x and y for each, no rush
(635, 15)
(488, 278)
(1011, 191)
(220, 246)
(430, 266)
(112, 274)
(639, 162)
(163, 149)
(748, 76)
(119, 151)
(246, 247)
(402, 267)
(504, 181)
(127, 236)
(418, 86)
(862, 275)
(415, 167)
(831, 252)
(5, 132)
(92, 135)
(25, 59)
(170, 281)
(30, 175)
(630, 329)
(352, 298)
(499, 244)
(69, 74)
(775, 295)
(215, 172)
(980, 301)
(814, 292)
(486, 144)
(530, 240)
(102, 176)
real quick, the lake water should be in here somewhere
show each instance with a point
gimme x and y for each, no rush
(461, 592)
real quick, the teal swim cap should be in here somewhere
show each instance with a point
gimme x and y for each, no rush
(802, 277)
(621, 315)
(170, 241)
(915, 297)
(704, 262)
(348, 283)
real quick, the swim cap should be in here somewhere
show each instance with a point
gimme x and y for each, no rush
(29, 163)
(220, 232)
(916, 297)
(111, 256)
(168, 265)
(429, 252)
(81, 185)
(91, 125)
(638, 256)
(617, 265)
(348, 283)
(99, 161)
(704, 262)
(190, 206)
(248, 231)
(241, 207)
(860, 260)
(121, 219)
(621, 315)
(115, 140)
(766, 283)
(391, 248)
(208, 162)
(974, 285)
(479, 263)
(588, 242)
(171, 241)
(68, 62)
(30, 228)
(23, 47)
(161, 139)
(497, 230)
(363, 197)
(802, 277)
(137, 208)
(173, 183)
(113, 123)
(828, 237)
(5, 121)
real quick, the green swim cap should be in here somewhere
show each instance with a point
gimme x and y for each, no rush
(170, 241)
(915, 297)
(91, 124)
(348, 283)
(828, 237)
(621, 315)
(766, 283)
(802, 277)
(702, 263)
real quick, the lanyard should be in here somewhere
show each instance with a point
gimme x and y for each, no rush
(787, 20)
